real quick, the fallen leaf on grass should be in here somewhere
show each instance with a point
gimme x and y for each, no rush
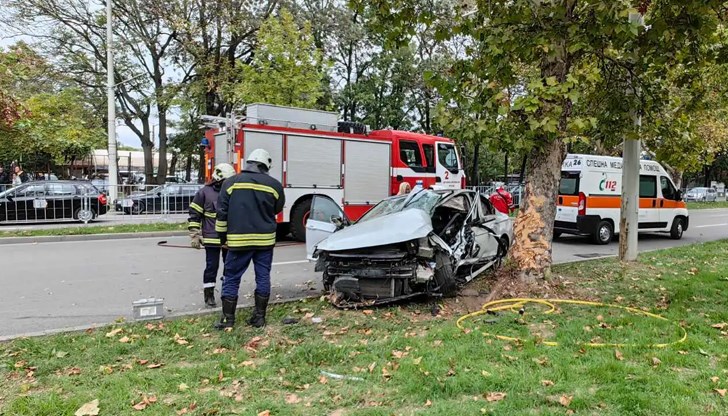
(264, 413)
(721, 392)
(681, 352)
(367, 311)
(399, 354)
(74, 371)
(113, 332)
(495, 396)
(140, 406)
(247, 364)
(292, 399)
(721, 325)
(219, 350)
(541, 361)
(372, 366)
(547, 383)
(417, 361)
(323, 380)
(88, 409)
(656, 361)
(220, 377)
(428, 403)
(183, 387)
(143, 362)
(125, 340)
(618, 355)
(253, 344)
(566, 400)
(714, 379)
(153, 366)
(180, 340)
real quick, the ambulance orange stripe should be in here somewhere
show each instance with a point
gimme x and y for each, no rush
(616, 202)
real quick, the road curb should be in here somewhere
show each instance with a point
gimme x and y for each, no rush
(174, 315)
(88, 237)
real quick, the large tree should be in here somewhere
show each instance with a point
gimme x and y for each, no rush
(286, 66)
(547, 50)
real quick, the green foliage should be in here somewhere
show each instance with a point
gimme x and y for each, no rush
(286, 66)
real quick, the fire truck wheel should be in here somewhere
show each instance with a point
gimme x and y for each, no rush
(299, 216)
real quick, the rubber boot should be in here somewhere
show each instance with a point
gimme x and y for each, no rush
(227, 319)
(258, 318)
(210, 297)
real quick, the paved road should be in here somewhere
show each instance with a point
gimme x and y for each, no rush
(48, 286)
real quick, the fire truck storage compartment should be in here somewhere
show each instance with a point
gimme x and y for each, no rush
(313, 162)
(222, 151)
(273, 143)
(295, 118)
(367, 172)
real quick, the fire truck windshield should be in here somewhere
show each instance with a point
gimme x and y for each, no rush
(448, 157)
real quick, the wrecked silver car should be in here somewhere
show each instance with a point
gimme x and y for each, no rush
(426, 243)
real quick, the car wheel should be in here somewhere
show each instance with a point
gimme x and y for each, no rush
(604, 234)
(445, 275)
(299, 216)
(557, 235)
(84, 215)
(138, 208)
(678, 227)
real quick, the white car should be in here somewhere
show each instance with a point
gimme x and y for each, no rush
(426, 243)
(701, 195)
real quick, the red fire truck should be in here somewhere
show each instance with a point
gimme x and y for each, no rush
(314, 153)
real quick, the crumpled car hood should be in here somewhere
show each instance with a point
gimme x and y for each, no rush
(411, 224)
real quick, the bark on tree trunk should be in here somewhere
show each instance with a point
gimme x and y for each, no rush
(534, 226)
(148, 162)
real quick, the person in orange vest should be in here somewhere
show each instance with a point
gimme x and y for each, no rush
(502, 200)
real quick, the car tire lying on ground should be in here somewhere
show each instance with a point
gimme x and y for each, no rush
(445, 275)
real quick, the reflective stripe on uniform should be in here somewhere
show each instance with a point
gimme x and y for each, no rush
(208, 285)
(252, 187)
(251, 240)
(211, 240)
(196, 207)
(211, 215)
(221, 226)
(251, 243)
(193, 224)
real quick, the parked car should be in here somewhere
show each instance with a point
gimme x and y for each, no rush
(163, 198)
(174, 179)
(424, 243)
(52, 200)
(701, 195)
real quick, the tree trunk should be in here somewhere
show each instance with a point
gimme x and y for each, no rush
(188, 168)
(534, 226)
(162, 167)
(476, 168)
(147, 148)
(173, 164)
(523, 169)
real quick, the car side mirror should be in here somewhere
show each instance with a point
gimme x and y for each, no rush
(679, 195)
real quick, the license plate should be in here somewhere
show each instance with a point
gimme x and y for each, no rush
(127, 203)
(40, 204)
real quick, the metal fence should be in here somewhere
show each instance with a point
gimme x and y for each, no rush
(84, 202)
(516, 191)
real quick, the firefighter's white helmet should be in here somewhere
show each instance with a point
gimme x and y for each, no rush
(261, 156)
(222, 172)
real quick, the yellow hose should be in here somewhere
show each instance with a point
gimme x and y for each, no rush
(518, 303)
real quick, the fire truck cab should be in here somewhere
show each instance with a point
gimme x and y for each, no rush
(315, 154)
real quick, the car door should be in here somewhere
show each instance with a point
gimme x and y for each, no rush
(320, 224)
(8, 208)
(486, 222)
(649, 212)
(669, 202)
(62, 200)
(30, 202)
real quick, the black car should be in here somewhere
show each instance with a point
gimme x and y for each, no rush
(161, 199)
(52, 200)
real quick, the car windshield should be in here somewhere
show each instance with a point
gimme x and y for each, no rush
(698, 190)
(424, 200)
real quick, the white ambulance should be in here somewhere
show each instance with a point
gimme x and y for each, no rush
(590, 200)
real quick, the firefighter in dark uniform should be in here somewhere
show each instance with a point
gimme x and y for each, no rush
(201, 225)
(246, 221)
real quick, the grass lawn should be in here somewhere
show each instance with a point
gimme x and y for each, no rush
(405, 360)
(707, 205)
(97, 229)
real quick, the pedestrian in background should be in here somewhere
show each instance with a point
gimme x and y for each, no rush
(502, 200)
(246, 220)
(4, 178)
(20, 176)
(201, 225)
(404, 188)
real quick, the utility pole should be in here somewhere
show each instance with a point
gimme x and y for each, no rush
(113, 164)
